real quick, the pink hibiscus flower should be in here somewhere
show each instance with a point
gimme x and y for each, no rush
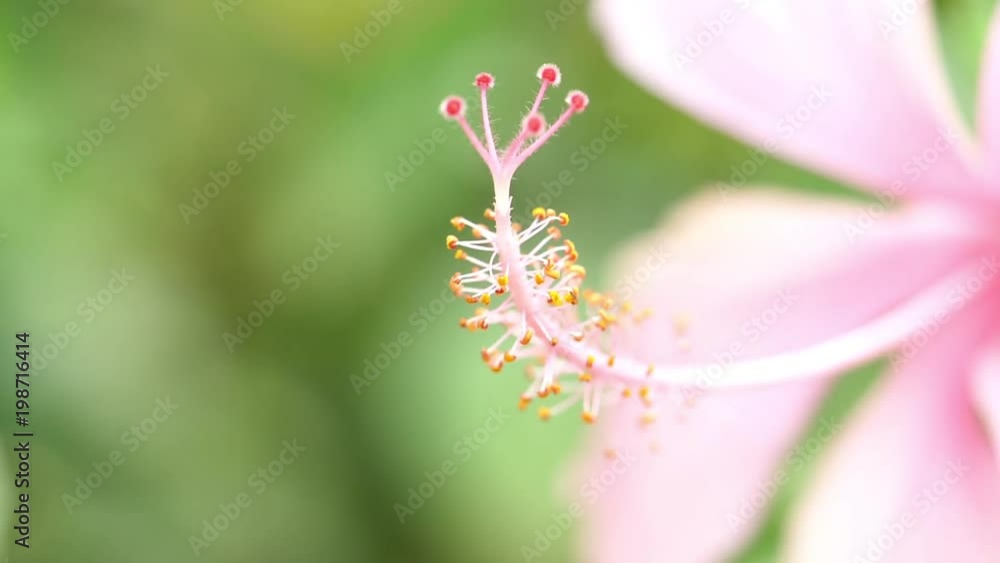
(780, 288)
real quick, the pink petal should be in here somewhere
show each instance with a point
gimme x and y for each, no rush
(986, 390)
(989, 98)
(698, 496)
(881, 110)
(729, 265)
(912, 478)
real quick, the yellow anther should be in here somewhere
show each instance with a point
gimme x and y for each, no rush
(550, 212)
(538, 213)
(485, 299)
(585, 377)
(470, 300)
(523, 403)
(644, 392)
(571, 252)
(497, 367)
(503, 280)
(589, 417)
(490, 214)
(554, 341)
(555, 298)
(590, 361)
(539, 279)
(552, 272)
(542, 393)
(460, 254)
(457, 223)
(626, 393)
(647, 418)
(573, 296)
(486, 354)
(554, 232)
(606, 316)
(451, 241)
(578, 271)
(556, 388)
(611, 360)
(509, 358)
(681, 324)
(544, 413)
(526, 339)
(564, 219)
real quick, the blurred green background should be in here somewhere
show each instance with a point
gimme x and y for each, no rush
(200, 263)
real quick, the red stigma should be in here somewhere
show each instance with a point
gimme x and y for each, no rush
(577, 100)
(452, 107)
(549, 73)
(484, 80)
(534, 124)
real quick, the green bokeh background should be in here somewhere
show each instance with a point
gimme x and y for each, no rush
(323, 176)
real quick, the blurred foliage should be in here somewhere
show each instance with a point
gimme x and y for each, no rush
(322, 176)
